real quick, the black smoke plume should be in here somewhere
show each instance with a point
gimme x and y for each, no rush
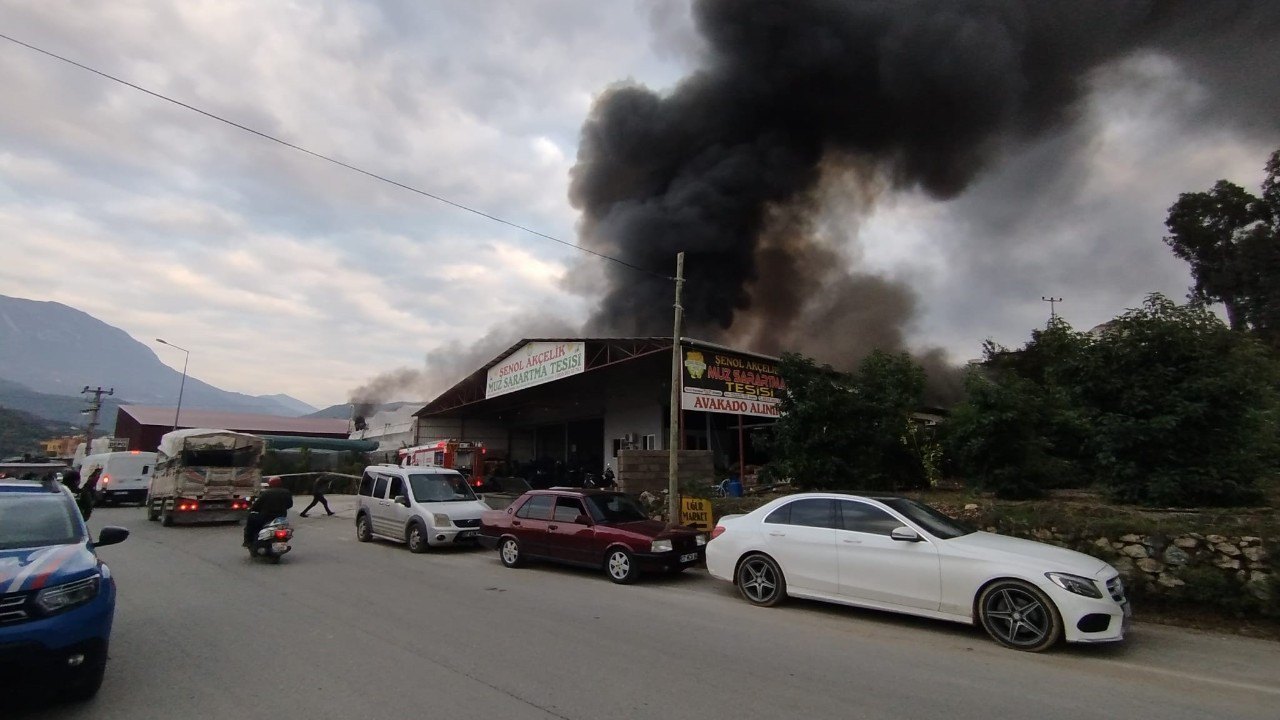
(736, 164)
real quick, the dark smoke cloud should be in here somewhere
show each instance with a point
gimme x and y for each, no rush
(731, 166)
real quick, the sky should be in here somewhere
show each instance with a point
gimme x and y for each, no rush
(282, 273)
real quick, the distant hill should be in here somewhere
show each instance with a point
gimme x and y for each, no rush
(21, 432)
(54, 349)
(296, 406)
(61, 409)
(344, 411)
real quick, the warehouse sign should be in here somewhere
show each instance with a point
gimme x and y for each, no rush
(723, 382)
(536, 363)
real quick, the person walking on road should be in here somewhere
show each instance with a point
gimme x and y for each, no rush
(317, 496)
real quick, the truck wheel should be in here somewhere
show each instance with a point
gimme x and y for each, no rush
(166, 513)
(364, 533)
(153, 511)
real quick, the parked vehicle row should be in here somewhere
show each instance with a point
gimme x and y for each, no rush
(879, 552)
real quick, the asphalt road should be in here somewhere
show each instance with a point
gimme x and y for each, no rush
(348, 630)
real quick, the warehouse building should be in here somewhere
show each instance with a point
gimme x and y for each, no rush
(558, 406)
(142, 426)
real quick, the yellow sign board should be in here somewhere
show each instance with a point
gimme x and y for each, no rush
(696, 511)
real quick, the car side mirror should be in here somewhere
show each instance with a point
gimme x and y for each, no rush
(905, 534)
(111, 536)
(583, 520)
(402, 500)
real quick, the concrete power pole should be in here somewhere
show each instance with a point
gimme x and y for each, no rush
(1053, 308)
(95, 405)
(673, 438)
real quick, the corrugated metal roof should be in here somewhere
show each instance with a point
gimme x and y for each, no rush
(478, 376)
(240, 422)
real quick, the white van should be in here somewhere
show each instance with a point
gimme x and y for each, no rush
(126, 476)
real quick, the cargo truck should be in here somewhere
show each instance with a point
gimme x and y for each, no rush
(204, 475)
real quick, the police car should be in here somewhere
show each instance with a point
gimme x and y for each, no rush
(57, 599)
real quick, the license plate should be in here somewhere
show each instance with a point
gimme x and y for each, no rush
(119, 492)
(279, 547)
(688, 557)
(466, 534)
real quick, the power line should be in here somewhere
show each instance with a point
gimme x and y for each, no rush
(335, 161)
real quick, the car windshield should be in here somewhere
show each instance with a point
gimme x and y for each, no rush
(934, 522)
(440, 487)
(37, 519)
(615, 509)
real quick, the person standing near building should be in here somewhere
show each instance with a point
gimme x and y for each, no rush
(318, 490)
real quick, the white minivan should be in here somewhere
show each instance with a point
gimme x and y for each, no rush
(126, 476)
(422, 507)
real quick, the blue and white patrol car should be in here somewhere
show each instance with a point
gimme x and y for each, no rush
(57, 599)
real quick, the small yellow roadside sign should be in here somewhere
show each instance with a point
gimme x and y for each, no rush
(696, 511)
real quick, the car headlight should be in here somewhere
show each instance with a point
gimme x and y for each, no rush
(440, 520)
(702, 539)
(58, 598)
(1075, 584)
(659, 546)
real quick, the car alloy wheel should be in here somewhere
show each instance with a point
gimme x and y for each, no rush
(621, 567)
(760, 581)
(510, 553)
(417, 541)
(363, 532)
(1019, 616)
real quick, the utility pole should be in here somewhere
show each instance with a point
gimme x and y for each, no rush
(673, 438)
(1053, 308)
(95, 405)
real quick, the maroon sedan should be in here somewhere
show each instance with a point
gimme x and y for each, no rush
(589, 528)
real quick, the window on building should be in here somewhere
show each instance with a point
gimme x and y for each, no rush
(651, 442)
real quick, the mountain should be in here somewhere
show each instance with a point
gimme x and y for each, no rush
(295, 406)
(344, 411)
(64, 410)
(51, 348)
(21, 432)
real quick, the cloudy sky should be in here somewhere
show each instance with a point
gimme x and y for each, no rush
(283, 273)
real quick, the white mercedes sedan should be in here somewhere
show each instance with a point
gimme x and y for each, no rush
(893, 553)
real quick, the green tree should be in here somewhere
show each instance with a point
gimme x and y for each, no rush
(1020, 430)
(1181, 410)
(1231, 239)
(842, 431)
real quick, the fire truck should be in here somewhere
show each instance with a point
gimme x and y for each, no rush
(465, 456)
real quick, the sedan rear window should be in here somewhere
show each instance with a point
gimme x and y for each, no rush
(36, 520)
(537, 507)
(810, 512)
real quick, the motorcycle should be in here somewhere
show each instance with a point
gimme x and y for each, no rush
(273, 540)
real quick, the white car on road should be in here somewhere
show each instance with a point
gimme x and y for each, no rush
(893, 553)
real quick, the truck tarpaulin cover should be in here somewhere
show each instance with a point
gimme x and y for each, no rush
(202, 439)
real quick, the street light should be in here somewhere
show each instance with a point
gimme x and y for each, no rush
(186, 357)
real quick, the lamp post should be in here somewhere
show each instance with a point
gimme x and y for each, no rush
(186, 356)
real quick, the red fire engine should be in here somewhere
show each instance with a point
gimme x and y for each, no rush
(465, 456)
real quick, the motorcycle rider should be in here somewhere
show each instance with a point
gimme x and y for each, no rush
(274, 502)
